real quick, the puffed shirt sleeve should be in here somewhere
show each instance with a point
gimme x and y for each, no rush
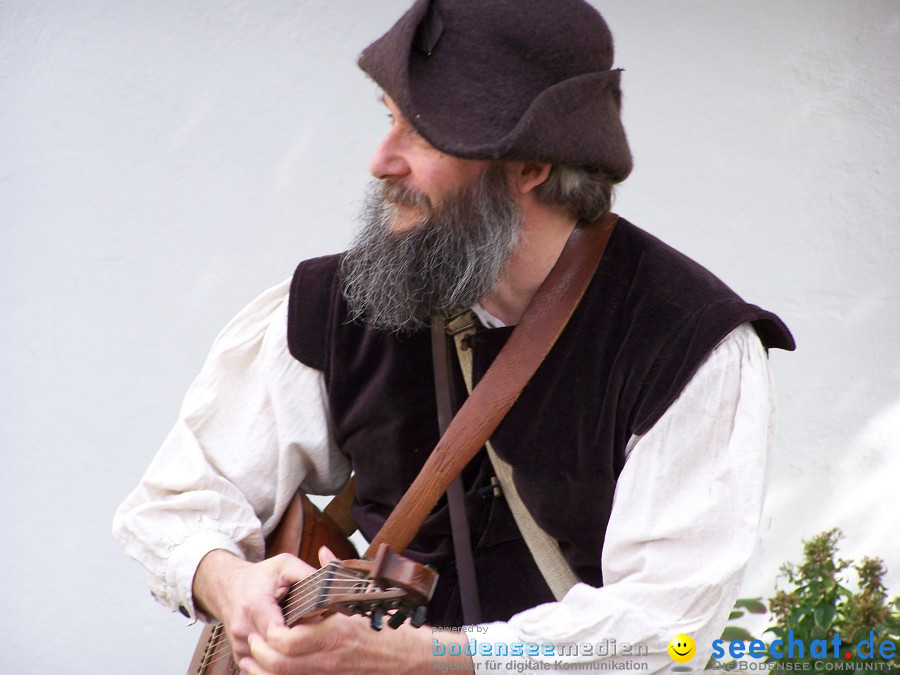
(252, 428)
(684, 523)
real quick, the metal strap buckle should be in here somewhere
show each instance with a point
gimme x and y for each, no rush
(460, 323)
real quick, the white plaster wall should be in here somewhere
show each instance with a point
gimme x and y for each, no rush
(161, 162)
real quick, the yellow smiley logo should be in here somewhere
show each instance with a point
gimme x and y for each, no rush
(682, 648)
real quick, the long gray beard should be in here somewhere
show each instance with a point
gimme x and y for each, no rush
(445, 263)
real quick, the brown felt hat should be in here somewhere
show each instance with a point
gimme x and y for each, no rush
(506, 79)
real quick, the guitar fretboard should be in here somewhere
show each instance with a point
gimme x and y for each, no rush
(317, 591)
(312, 595)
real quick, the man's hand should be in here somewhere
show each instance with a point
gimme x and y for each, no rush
(342, 645)
(244, 596)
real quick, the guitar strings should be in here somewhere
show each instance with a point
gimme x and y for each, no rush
(223, 647)
(298, 594)
(349, 583)
(340, 576)
(301, 607)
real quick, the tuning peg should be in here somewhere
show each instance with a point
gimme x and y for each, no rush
(376, 618)
(397, 619)
(419, 616)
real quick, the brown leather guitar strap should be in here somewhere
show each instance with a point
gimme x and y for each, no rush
(500, 387)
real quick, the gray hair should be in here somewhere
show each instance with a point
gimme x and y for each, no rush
(448, 261)
(586, 192)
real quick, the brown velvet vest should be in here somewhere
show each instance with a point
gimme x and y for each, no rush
(648, 320)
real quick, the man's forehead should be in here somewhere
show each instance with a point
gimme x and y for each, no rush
(410, 129)
(398, 116)
(388, 102)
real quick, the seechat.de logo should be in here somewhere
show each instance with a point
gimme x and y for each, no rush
(794, 648)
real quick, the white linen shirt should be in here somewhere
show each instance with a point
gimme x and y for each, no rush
(255, 424)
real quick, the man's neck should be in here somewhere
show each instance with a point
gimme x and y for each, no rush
(544, 235)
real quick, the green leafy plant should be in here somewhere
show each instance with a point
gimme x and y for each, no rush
(819, 604)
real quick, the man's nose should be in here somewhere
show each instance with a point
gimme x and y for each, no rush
(389, 160)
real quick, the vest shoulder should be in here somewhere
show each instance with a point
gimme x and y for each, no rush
(670, 312)
(654, 268)
(664, 285)
(310, 304)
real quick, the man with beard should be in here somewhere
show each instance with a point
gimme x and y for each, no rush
(628, 445)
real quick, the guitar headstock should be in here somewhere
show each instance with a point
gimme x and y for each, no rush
(390, 585)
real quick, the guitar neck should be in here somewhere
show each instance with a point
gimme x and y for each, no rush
(324, 590)
(388, 585)
(331, 587)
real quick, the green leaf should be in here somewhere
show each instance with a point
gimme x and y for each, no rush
(823, 616)
(735, 633)
(752, 605)
(735, 615)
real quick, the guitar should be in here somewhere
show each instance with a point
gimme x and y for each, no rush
(389, 583)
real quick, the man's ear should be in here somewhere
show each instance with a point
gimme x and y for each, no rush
(526, 176)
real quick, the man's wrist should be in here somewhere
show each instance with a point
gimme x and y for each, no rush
(181, 568)
(210, 584)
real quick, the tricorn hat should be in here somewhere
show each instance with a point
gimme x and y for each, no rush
(507, 80)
